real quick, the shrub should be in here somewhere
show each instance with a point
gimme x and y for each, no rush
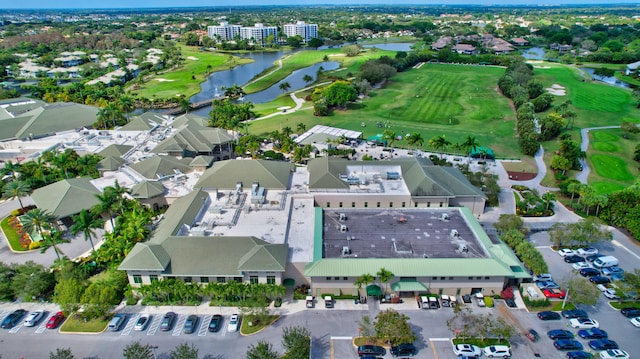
(488, 301)
(34, 245)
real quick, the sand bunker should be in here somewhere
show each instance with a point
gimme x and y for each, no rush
(164, 80)
(557, 90)
(192, 58)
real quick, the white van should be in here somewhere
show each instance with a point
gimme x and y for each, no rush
(424, 302)
(116, 322)
(606, 261)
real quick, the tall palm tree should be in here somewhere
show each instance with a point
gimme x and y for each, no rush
(52, 239)
(307, 79)
(363, 281)
(127, 104)
(385, 277)
(16, 189)
(11, 168)
(107, 201)
(469, 145)
(285, 86)
(85, 222)
(439, 143)
(389, 136)
(416, 139)
(37, 219)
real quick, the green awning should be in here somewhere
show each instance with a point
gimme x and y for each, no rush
(289, 282)
(373, 290)
(408, 285)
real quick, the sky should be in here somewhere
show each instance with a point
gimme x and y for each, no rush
(101, 4)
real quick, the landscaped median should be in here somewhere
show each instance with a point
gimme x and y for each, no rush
(75, 324)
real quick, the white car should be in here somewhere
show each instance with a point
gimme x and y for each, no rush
(233, 323)
(545, 277)
(564, 252)
(581, 265)
(499, 351)
(467, 350)
(33, 318)
(614, 353)
(142, 322)
(583, 323)
(635, 321)
(601, 287)
(610, 293)
(589, 251)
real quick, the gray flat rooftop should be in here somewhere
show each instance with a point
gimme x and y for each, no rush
(399, 233)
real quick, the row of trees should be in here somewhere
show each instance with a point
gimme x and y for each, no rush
(580, 234)
(513, 233)
(384, 276)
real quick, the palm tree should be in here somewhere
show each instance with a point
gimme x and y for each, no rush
(107, 201)
(301, 127)
(439, 143)
(469, 145)
(416, 140)
(85, 222)
(185, 105)
(363, 281)
(285, 86)
(307, 79)
(16, 189)
(127, 104)
(11, 168)
(548, 197)
(385, 277)
(389, 136)
(52, 239)
(37, 219)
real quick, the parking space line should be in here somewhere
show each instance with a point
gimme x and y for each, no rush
(130, 324)
(618, 244)
(153, 328)
(16, 328)
(204, 326)
(42, 327)
(177, 330)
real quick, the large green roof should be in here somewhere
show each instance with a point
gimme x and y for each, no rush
(190, 119)
(195, 139)
(225, 174)
(160, 166)
(110, 163)
(115, 150)
(147, 189)
(67, 197)
(144, 122)
(56, 117)
(183, 211)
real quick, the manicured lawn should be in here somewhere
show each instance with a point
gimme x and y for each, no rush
(611, 167)
(527, 164)
(186, 79)
(12, 236)
(77, 325)
(609, 155)
(246, 329)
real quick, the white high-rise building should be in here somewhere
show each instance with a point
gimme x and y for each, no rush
(306, 31)
(258, 33)
(225, 31)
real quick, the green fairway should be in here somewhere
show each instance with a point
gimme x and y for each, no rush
(609, 156)
(606, 187)
(611, 167)
(187, 78)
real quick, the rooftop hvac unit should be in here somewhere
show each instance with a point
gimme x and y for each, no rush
(445, 216)
(346, 251)
(342, 217)
(462, 248)
(343, 228)
(454, 233)
(239, 186)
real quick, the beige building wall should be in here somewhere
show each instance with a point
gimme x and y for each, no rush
(475, 204)
(359, 200)
(295, 271)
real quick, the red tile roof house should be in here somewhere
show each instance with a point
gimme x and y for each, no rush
(518, 41)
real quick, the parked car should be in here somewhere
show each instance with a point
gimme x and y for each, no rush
(614, 354)
(593, 257)
(593, 333)
(167, 321)
(560, 334)
(599, 280)
(616, 276)
(55, 320)
(406, 349)
(497, 351)
(603, 344)
(466, 298)
(371, 350)
(610, 293)
(116, 322)
(574, 313)
(567, 344)
(13, 318)
(588, 251)
(579, 355)
(554, 293)
(234, 322)
(545, 277)
(583, 323)
(608, 271)
(635, 322)
(601, 287)
(143, 321)
(589, 272)
(573, 259)
(215, 323)
(580, 265)
(565, 252)
(33, 318)
(190, 324)
(533, 335)
(548, 315)
(630, 312)
(467, 350)
(547, 285)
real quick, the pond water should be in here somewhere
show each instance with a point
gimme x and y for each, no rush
(392, 46)
(534, 53)
(609, 80)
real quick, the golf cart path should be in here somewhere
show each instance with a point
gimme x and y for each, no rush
(584, 133)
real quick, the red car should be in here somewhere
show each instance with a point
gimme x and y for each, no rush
(554, 293)
(55, 320)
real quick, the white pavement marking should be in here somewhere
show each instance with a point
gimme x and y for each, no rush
(204, 326)
(618, 244)
(153, 328)
(42, 327)
(439, 339)
(16, 328)
(341, 338)
(130, 324)
(177, 330)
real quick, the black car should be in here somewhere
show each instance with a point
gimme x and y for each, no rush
(548, 315)
(190, 324)
(167, 321)
(630, 312)
(579, 355)
(567, 344)
(215, 323)
(593, 257)
(574, 313)
(559, 334)
(371, 350)
(589, 272)
(573, 259)
(599, 280)
(12, 319)
(593, 333)
(603, 344)
(406, 349)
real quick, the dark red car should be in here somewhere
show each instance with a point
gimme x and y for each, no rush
(554, 293)
(55, 320)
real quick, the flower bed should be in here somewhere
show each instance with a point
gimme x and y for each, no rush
(12, 229)
(529, 204)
